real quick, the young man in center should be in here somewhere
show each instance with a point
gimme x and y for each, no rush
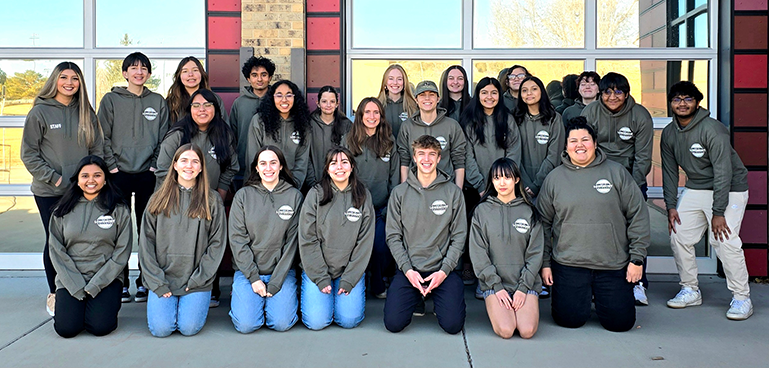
(426, 231)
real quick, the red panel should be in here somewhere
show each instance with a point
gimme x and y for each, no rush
(322, 33)
(753, 229)
(756, 262)
(750, 71)
(757, 187)
(750, 110)
(224, 5)
(312, 101)
(318, 6)
(228, 98)
(751, 147)
(224, 33)
(750, 32)
(322, 70)
(224, 70)
(750, 4)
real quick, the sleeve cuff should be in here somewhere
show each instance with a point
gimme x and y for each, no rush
(162, 290)
(346, 285)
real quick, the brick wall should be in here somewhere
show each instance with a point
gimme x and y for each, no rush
(273, 28)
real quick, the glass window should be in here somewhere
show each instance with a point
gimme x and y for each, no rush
(432, 24)
(150, 23)
(546, 70)
(21, 226)
(47, 23)
(21, 80)
(12, 170)
(109, 73)
(632, 24)
(519, 24)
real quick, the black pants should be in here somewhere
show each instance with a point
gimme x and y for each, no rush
(574, 288)
(381, 264)
(402, 299)
(45, 207)
(96, 315)
(142, 185)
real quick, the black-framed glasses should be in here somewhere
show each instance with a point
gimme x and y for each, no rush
(616, 92)
(678, 100)
(517, 76)
(196, 105)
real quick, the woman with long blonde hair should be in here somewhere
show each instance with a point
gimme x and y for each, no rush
(396, 96)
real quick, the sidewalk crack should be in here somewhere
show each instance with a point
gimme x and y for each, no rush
(26, 333)
(467, 348)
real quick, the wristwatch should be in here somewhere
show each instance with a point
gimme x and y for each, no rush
(637, 262)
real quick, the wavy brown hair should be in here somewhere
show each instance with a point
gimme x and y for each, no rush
(381, 143)
(178, 98)
(166, 199)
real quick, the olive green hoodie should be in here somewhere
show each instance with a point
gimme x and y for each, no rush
(133, 127)
(486, 154)
(320, 143)
(336, 239)
(297, 155)
(243, 110)
(703, 151)
(263, 232)
(506, 246)
(572, 111)
(379, 174)
(49, 145)
(541, 147)
(510, 102)
(426, 227)
(625, 136)
(178, 252)
(395, 114)
(217, 179)
(596, 215)
(89, 248)
(446, 130)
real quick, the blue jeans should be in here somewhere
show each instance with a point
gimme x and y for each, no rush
(248, 309)
(184, 313)
(319, 309)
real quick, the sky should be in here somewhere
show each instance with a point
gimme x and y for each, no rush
(428, 23)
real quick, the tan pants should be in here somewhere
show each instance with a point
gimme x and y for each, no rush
(695, 208)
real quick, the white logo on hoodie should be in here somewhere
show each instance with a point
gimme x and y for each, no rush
(386, 158)
(285, 212)
(150, 114)
(55, 126)
(439, 207)
(603, 186)
(105, 222)
(295, 137)
(521, 225)
(625, 133)
(442, 141)
(403, 116)
(697, 150)
(353, 214)
(542, 137)
(212, 152)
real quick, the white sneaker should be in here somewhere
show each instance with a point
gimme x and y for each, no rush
(740, 310)
(50, 304)
(639, 293)
(687, 297)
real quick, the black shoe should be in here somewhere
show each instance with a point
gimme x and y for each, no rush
(545, 293)
(419, 311)
(126, 297)
(214, 302)
(141, 294)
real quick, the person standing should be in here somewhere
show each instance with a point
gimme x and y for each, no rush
(61, 120)
(327, 126)
(188, 78)
(455, 92)
(396, 96)
(513, 79)
(715, 197)
(587, 87)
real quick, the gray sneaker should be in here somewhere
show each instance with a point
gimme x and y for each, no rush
(687, 297)
(740, 310)
(639, 293)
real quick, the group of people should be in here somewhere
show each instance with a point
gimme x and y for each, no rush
(423, 183)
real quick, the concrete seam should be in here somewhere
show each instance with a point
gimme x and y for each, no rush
(25, 334)
(467, 348)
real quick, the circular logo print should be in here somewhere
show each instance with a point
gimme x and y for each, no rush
(697, 150)
(521, 225)
(603, 186)
(212, 152)
(386, 158)
(404, 115)
(442, 141)
(353, 214)
(625, 133)
(439, 207)
(150, 114)
(542, 137)
(105, 222)
(295, 137)
(285, 212)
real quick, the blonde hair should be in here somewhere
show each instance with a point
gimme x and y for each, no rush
(409, 102)
(166, 199)
(88, 127)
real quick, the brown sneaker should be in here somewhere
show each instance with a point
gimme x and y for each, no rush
(50, 303)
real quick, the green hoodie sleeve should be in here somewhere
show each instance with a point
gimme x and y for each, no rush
(669, 168)
(533, 259)
(30, 150)
(66, 270)
(555, 146)
(217, 241)
(152, 274)
(395, 169)
(404, 146)
(106, 117)
(166, 156)
(97, 147)
(479, 255)
(547, 216)
(288, 253)
(394, 230)
(255, 142)
(225, 178)
(720, 153)
(514, 149)
(361, 252)
(637, 215)
(458, 231)
(458, 146)
(473, 175)
(240, 241)
(644, 137)
(309, 245)
(164, 126)
(119, 258)
(302, 161)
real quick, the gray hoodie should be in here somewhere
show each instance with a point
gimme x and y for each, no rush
(379, 174)
(426, 227)
(541, 147)
(596, 215)
(320, 143)
(703, 151)
(133, 127)
(243, 110)
(572, 111)
(50, 148)
(263, 232)
(506, 246)
(89, 249)
(486, 154)
(297, 156)
(395, 114)
(217, 179)
(510, 102)
(336, 239)
(626, 136)
(446, 130)
(178, 252)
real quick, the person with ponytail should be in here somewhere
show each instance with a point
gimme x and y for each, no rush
(327, 126)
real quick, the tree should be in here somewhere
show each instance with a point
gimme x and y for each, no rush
(3, 77)
(109, 73)
(24, 85)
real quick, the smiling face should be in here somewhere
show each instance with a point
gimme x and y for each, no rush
(328, 103)
(340, 169)
(187, 168)
(371, 118)
(91, 179)
(427, 101)
(202, 112)
(268, 166)
(530, 93)
(515, 78)
(580, 147)
(190, 75)
(588, 89)
(614, 99)
(259, 80)
(505, 186)
(427, 160)
(67, 85)
(137, 74)
(489, 98)
(682, 108)
(284, 100)
(395, 82)
(455, 81)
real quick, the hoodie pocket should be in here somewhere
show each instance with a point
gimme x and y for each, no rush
(135, 155)
(89, 264)
(587, 244)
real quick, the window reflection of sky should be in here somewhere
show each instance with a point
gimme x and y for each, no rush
(407, 24)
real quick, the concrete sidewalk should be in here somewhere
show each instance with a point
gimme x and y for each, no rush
(663, 337)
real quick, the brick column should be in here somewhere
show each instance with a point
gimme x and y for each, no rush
(273, 28)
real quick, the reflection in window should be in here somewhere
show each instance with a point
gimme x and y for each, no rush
(20, 225)
(47, 23)
(21, 80)
(528, 24)
(169, 23)
(12, 170)
(109, 73)
(546, 70)
(634, 23)
(407, 24)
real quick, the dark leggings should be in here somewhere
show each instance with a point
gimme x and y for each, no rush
(142, 185)
(97, 315)
(381, 264)
(45, 207)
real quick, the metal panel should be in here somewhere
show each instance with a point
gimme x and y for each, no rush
(224, 70)
(224, 33)
(323, 34)
(323, 70)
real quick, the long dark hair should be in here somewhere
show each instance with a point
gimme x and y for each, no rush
(178, 97)
(546, 109)
(507, 168)
(219, 132)
(108, 198)
(446, 101)
(285, 173)
(381, 143)
(474, 118)
(358, 190)
(270, 115)
(337, 130)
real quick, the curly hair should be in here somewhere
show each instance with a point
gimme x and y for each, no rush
(270, 115)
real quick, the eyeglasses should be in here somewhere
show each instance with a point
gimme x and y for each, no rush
(517, 76)
(615, 92)
(279, 96)
(587, 84)
(678, 100)
(196, 105)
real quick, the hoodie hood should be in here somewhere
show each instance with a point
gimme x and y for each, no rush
(629, 104)
(699, 115)
(123, 91)
(600, 157)
(413, 181)
(417, 118)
